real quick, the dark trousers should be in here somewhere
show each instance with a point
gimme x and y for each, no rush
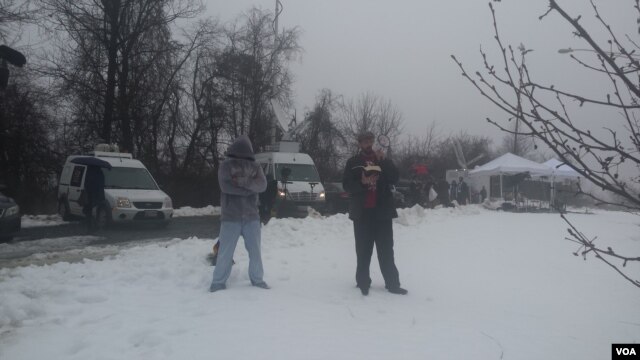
(88, 208)
(368, 231)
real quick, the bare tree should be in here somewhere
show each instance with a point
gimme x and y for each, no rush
(417, 149)
(373, 113)
(254, 70)
(102, 42)
(13, 14)
(517, 144)
(545, 111)
(27, 152)
(320, 136)
(444, 155)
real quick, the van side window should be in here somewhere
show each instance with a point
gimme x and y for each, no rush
(76, 176)
(66, 175)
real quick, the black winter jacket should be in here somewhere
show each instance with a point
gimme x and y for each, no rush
(351, 181)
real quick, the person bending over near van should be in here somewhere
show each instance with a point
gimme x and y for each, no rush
(368, 177)
(94, 187)
(241, 179)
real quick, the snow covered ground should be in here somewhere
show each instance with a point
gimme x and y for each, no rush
(482, 285)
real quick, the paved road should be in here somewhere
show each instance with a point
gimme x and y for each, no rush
(74, 236)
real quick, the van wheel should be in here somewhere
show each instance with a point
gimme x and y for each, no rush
(103, 218)
(63, 210)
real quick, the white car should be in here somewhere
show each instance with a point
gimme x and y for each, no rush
(131, 193)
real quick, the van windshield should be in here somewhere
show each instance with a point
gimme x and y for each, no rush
(299, 172)
(128, 178)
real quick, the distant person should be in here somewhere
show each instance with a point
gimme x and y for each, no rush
(368, 178)
(483, 194)
(429, 198)
(453, 194)
(463, 192)
(94, 188)
(415, 189)
(267, 199)
(241, 179)
(442, 187)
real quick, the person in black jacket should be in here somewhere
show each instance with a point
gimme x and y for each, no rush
(367, 178)
(94, 187)
(267, 199)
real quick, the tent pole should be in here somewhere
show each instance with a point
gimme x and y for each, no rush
(552, 195)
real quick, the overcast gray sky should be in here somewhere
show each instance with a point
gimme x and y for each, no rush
(401, 50)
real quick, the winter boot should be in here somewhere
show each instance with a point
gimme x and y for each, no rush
(398, 290)
(216, 287)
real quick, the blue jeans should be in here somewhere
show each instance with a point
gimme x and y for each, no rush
(230, 231)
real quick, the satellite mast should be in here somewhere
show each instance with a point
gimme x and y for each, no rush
(277, 109)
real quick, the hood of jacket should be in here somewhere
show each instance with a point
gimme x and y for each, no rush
(241, 148)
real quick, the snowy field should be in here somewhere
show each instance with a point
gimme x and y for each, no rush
(482, 285)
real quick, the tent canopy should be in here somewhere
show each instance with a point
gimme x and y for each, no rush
(510, 164)
(561, 170)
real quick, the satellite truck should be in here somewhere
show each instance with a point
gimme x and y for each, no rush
(298, 182)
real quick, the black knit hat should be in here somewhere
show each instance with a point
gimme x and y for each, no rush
(365, 135)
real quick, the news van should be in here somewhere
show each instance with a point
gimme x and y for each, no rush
(299, 184)
(131, 193)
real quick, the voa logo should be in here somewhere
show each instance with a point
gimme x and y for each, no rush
(626, 351)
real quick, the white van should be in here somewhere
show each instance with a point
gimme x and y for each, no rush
(301, 188)
(131, 193)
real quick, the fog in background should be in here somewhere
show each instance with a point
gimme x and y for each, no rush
(401, 51)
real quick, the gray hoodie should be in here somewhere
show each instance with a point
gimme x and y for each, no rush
(241, 179)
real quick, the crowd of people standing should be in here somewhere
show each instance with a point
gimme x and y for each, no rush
(428, 192)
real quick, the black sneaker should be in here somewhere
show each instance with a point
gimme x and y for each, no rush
(398, 291)
(364, 291)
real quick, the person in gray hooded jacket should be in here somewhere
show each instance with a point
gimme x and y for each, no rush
(241, 180)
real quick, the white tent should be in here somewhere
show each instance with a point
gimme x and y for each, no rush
(561, 170)
(506, 165)
(510, 164)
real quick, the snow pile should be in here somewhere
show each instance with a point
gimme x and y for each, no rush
(482, 285)
(189, 211)
(42, 220)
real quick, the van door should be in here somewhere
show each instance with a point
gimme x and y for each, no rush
(76, 185)
(63, 184)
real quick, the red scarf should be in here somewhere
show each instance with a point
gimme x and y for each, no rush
(371, 197)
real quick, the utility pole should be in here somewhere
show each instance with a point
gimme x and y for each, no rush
(275, 120)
